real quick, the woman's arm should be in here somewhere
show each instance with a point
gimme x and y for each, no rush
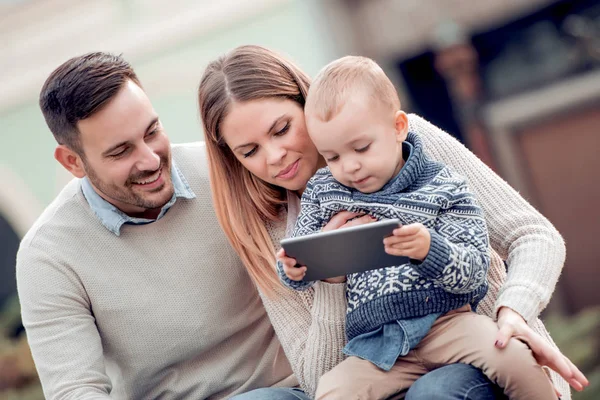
(311, 328)
(532, 248)
(309, 324)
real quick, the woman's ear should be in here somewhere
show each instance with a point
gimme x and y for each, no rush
(401, 121)
(70, 160)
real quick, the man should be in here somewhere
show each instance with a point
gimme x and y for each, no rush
(128, 288)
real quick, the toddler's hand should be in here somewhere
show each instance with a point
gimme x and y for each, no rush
(411, 241)
(292, 272)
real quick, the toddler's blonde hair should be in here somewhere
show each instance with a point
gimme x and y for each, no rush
(343, 78)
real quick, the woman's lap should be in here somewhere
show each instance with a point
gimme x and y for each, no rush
(452, 382)
(273, 394)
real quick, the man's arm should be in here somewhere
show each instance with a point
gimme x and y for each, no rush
(61, 328)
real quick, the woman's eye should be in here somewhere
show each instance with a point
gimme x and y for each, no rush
(363, 149)
(283, 130)
(250, 153)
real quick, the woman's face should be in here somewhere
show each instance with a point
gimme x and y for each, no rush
(268, 136)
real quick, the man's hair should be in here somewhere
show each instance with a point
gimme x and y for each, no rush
(78, 89)
(343, 78)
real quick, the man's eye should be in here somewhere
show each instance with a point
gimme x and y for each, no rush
(119, 154)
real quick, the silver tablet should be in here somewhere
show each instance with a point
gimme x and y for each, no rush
(344, 251)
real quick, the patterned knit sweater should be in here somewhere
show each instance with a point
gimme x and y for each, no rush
(311, 323)
(453, 273)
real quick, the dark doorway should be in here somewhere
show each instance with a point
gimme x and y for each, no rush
(9, 244)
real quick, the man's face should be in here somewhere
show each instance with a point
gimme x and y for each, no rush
(127, 155)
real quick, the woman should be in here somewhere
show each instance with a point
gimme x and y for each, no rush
(251, 104)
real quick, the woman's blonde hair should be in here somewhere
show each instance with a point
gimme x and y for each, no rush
(243, 203)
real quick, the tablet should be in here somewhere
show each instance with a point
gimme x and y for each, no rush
(344, 251)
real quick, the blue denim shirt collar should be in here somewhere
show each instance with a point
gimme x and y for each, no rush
(113, 218)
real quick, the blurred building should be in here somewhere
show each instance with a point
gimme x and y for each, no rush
(519, 83)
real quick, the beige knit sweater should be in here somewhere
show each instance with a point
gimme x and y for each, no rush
(164, 311)
(310, 324)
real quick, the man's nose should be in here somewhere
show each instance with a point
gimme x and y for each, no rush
(149, 160)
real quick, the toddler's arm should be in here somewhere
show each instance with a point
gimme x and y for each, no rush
(309, 221)
(458, 257)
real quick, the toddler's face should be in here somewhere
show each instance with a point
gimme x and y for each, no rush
(361, 144)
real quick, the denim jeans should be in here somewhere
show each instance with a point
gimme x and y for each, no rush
(273, 394)
(454, 382)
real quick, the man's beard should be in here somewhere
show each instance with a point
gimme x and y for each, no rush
(126, 194)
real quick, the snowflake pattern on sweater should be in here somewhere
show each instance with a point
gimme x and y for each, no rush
(453, 273)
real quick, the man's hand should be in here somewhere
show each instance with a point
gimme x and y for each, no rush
(411, 241)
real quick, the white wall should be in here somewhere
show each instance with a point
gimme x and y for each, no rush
(168, 43)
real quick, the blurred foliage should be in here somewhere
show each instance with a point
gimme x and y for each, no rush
(18, 378)
(577, 336)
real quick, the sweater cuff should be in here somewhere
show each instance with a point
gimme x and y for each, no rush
(329, 303)
(521, 300)
(439, 254)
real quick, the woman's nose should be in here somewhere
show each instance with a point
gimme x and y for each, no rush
(275, 154)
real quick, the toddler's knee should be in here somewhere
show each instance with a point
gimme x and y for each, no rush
(334, 385)
(515, 363)
(330, 387)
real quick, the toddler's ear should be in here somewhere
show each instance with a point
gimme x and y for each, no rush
(401, 121)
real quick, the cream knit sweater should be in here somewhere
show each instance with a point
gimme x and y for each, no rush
(534, 252)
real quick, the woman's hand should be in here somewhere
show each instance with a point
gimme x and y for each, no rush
(511, 324)
(345, 219)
